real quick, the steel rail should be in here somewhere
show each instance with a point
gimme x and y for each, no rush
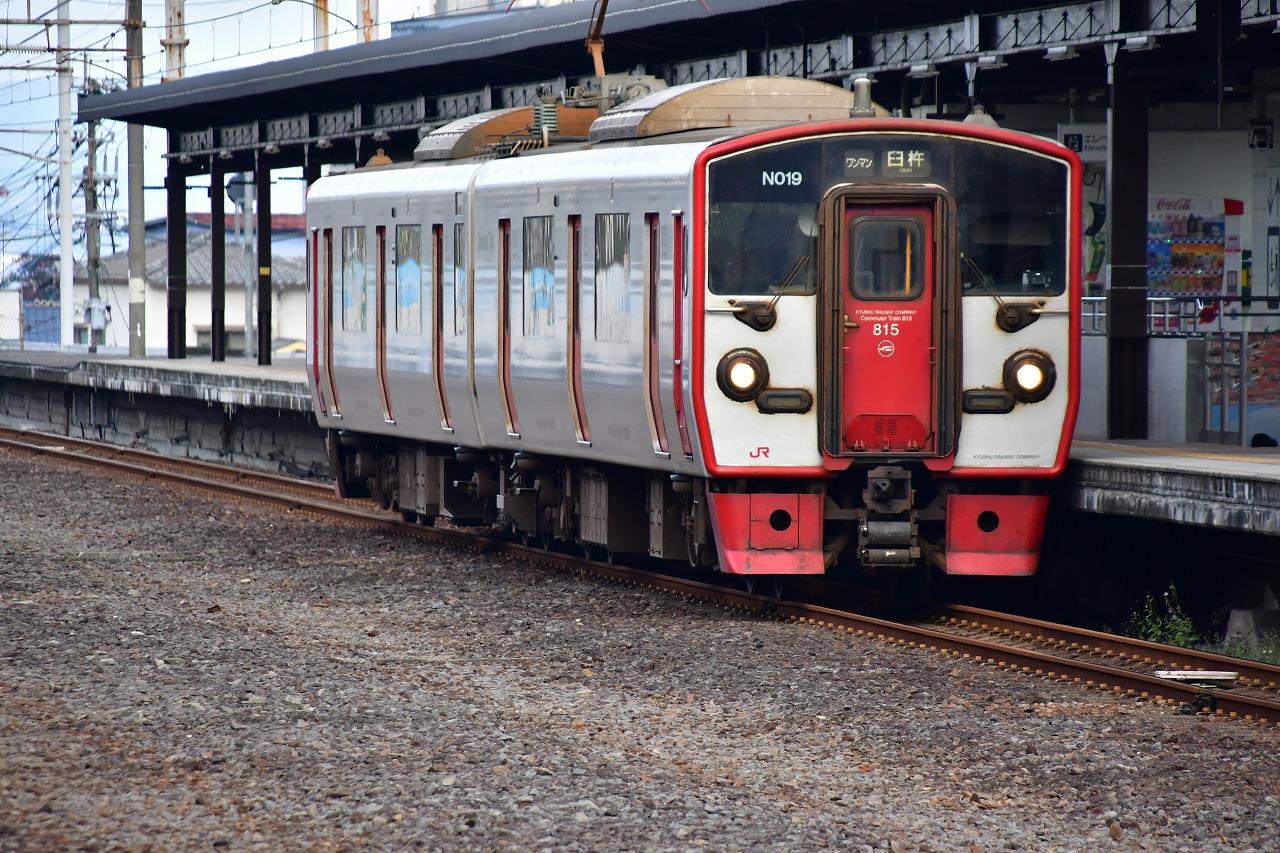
(1254, 673)
(1039, 663)
(145, 457)
(984, 651)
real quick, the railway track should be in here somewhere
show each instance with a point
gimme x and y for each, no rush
(1042, 649)
(144, 461)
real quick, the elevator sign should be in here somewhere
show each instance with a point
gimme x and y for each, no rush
(1087, 140)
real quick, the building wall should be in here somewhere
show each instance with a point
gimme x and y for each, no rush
(1203, 162)
(288, 313)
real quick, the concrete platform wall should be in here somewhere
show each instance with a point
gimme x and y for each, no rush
(271, 439)
(1175, 396)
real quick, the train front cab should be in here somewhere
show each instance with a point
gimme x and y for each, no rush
(943, 385)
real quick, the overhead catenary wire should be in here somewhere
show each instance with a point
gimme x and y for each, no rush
(34, 186)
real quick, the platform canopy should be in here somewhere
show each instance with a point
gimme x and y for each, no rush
(338, 105)
(524, 46)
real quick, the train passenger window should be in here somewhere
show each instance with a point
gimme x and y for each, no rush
(885, 258)
(539, 277)
(613, 277)
(459, 278)
(409, 279)
(354, 280)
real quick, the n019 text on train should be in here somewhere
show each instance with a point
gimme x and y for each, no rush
(781, 179)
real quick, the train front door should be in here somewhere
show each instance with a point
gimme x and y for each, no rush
(888, 354)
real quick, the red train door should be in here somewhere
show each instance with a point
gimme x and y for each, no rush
(887, 382)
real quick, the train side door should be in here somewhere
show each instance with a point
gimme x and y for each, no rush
(383, 303)
(328, 294)
(888, 353)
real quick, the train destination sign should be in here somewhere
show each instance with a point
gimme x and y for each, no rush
(907, 162)
(890, 163)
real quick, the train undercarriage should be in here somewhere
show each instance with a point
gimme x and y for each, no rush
(875, 521)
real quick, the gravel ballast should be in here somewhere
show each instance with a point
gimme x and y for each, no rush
(178, 670)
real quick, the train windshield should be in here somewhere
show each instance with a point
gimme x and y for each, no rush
(1011, 208)
(754, 245)
(1013, 224)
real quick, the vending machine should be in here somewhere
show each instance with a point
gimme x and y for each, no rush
(1193, 246)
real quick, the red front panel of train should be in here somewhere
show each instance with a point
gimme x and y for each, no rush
(887, 392)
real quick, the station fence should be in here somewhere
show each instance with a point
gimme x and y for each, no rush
(1239, 358)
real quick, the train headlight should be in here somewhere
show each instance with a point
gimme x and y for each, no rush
(741, 374)
(1029, 376)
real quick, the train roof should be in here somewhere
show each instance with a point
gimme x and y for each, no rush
(705, 112)
(652, 112)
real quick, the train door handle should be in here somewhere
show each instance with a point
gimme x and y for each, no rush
(849, 324)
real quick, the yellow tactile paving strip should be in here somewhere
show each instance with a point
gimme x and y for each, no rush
(1256, 456)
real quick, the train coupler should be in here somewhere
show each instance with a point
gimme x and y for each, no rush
(889, 534)
(888, 542)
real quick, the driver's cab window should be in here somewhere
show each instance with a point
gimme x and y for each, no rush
(885, 258)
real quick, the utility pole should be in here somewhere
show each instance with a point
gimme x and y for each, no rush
(368, 20)
(66, 264)
(91, 233)
(137, 213)
(320, 19)
(250, 269)
(175, 41)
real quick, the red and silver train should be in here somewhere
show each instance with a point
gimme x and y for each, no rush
(724, 322)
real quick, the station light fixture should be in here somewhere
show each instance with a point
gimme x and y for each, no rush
(1059, 52)
(1139, 43)
(991, 61)
(923, 69)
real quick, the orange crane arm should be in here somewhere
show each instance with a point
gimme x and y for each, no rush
(595, 38)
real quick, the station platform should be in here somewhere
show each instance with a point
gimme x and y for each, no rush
(234, 411)
(235, 382)
(267, 413)
(1235, 488)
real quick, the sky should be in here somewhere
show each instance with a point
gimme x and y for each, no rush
(223, 34)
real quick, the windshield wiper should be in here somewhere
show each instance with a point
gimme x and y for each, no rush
(976, 271)
(791, 276)
(1010, 316)
(762, 316)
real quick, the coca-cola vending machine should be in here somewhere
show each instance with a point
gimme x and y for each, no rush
(1193, 246)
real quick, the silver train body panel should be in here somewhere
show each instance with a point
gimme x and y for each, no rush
(535, 411)
(366, 200)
